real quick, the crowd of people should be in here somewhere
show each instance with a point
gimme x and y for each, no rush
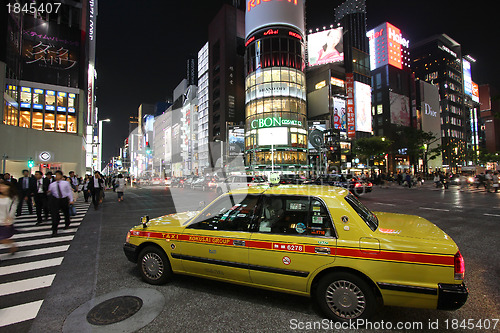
(51, 194)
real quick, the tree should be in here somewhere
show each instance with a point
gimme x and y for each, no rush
(417, 143)
(372, 148)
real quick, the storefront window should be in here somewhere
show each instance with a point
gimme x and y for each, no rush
(25, 97)
(71, 124)
(61, 123)
(50, 119)
(50, 100)
(25, 118)
(38, 99)
(37, 121)
(62, 101)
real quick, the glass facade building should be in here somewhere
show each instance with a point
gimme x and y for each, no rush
(275, 98)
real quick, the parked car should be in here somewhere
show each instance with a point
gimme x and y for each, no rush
(204, 183)
(238, 181)
(303, 240)
(177, 182)
(292, 179)
(188, 181)
(354, 184)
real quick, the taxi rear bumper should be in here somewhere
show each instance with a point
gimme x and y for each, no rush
(451, 296)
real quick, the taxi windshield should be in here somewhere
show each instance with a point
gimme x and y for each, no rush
(370, 219)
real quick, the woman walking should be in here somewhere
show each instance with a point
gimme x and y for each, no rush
(8, 205)
(120, 186)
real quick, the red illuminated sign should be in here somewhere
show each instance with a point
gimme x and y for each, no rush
(351, 118)
(271, 32)
(294, 34)
(254, 3)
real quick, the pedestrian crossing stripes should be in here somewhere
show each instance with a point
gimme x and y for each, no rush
(26, 276)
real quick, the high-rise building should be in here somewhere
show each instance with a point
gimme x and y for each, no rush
(275, 115)
(490, 123)
(46, 63)
(392, 88)
(438, 60)
(226, 94)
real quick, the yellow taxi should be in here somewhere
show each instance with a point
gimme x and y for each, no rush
(308, 240)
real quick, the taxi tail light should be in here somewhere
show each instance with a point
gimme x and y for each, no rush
(459, 265)
(128, 237)
(370, 184)
(358, 185)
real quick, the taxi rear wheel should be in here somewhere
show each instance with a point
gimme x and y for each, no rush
(154, 266)
(344, 296)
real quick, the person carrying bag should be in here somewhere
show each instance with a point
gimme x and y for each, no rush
(8, 206)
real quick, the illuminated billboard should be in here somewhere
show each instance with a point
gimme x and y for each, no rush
(475, 92)
(262, 13)
(325, 47)
(400, 109)
(467, 77)
(339, 114)
(388, 47)
(272, 136)
(362, 106)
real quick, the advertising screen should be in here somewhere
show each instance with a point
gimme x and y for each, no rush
(362, 106)
(325, 47)
(400, 109)
(339, 114)
(388, 46)
(475, 92)
(261, 13)
(467, 77)
(429, 103)
(236, 140)
(272, 136)
(50, 53)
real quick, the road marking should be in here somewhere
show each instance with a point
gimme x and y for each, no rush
(31, 266)
(19, 313)
(45, 241)
(37, 252)
(385, 204)
(26, 285)
(46, 226)
(40, 233)
(495, 215)
(437, 209)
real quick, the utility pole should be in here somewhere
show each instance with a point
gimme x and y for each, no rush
(4, 159)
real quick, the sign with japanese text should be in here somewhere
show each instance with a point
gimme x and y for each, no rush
(351, 118)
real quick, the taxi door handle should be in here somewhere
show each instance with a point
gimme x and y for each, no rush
(238, 242)
(324, 250)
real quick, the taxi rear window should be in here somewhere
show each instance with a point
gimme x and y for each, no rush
(370, 219)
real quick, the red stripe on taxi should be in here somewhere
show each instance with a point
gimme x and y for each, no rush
(419, 258)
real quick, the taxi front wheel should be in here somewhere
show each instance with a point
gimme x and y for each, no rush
(154, 266)
(344, 296)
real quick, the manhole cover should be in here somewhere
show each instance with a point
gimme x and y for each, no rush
(114, 310)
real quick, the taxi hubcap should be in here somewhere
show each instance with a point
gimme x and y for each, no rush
(345, 299)
(152, 266)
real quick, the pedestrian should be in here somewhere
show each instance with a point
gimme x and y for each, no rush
(489, 179)
(74, 181)
(120, 186)
(9, 179)
(42, 187)
(495, 181)
(72, 209)
(96, 187)
(8, 203)
(408, 180)
(61, 198)
(85, 188)
(26, 186)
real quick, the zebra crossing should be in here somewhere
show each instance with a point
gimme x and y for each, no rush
(26, 276)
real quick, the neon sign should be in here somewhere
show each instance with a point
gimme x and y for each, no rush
(274, 122)
(254, 3)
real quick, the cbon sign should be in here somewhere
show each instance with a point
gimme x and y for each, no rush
(266, 13)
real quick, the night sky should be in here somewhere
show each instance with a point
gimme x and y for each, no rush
(142, 45)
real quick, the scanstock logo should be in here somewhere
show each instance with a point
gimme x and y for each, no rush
(254, 3)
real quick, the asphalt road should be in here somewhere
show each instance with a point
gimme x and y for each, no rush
(95, 265)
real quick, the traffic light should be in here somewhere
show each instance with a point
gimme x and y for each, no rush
(31, 163)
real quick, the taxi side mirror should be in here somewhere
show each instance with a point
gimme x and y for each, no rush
(144, 221)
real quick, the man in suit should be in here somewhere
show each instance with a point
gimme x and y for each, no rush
(61, 197)
(8, 178)
(42, 187)
(26, 186)
(96, 187)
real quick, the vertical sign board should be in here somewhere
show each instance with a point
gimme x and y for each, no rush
(351, 119)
